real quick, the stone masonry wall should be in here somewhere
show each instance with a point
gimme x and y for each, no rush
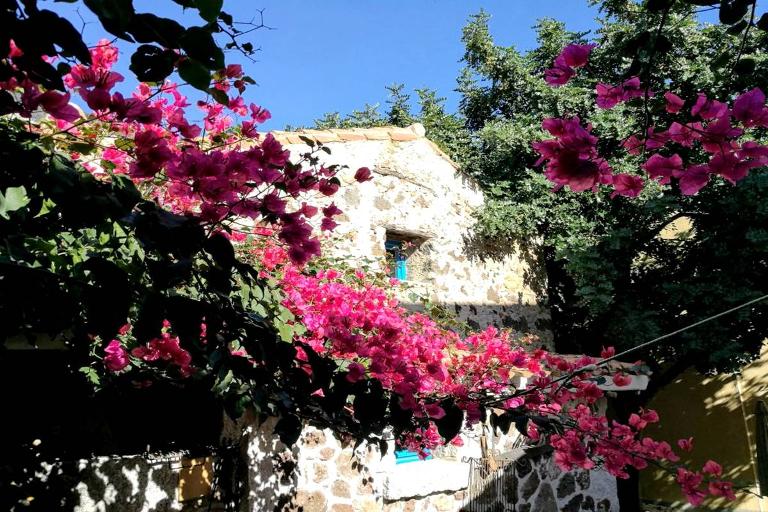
(419, 195)
(322, 473)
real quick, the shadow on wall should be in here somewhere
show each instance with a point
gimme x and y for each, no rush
(92, 441)
(522, 318)
(536, 484)
(718, 412)
(484, 248)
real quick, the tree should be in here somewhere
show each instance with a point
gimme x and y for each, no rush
(623, 270)
(620, 271)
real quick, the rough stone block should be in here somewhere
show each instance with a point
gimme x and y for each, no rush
(314, 438)
(340, 489)
(307, 502)
(321, 473)
(327, 453)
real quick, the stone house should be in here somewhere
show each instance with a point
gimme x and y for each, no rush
(418, 211)
(416, 217)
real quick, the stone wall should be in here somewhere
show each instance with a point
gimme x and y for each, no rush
(322, 473)
(419, 195)
(542, 486)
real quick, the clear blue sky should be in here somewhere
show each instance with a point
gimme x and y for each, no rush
(336, 55)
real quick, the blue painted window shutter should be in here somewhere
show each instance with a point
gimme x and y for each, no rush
(395, 249)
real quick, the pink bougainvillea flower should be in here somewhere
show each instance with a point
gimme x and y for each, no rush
(627, 185)
(104, 54)
(328, 187)
(633, 145)
(355, 372)
(684, 134)
(685, 444)
(571, 158)
(233, 71)
(693, 179)
(434, 411)
(622, 379)
(708, 109)
(15, 51)
(720, 488)
(259, 114)
(608, 96)
(662, 168)
(572, 56)
(749, 108)
(363, 174)
(97, 99)
(331, 210)
(717, 134)
(575, 55)
(115, 357)
(558, 75)
(674, 103)
(57, 105)
(730, 167)
(712, 468)
(690, 483)
(328, 224)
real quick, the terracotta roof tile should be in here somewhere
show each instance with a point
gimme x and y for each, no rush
(392, 133)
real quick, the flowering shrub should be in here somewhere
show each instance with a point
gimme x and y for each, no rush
(217, 171)
(442, 380)
(723, 136)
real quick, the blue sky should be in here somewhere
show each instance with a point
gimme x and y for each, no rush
(336, 55)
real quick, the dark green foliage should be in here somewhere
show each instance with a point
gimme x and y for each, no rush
(81, 257)
(607, 275)
(41, 32)
(599, 264)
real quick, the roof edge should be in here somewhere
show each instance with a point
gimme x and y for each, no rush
(413, 132)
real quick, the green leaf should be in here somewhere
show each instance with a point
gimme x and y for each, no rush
(737, 28)
(91, 375)
(84, 148)
(449, 425)
(195, 74)
(658, 5)
(151, 63)
(285, 331)
(66, 36)
(13, 199)
(219, 95)
(762, 23)
(198, 43)
(732, 11)
(308, 141)
(223, 380)
(114, 15)
(148, 28)
(209, 9)
(745, 66)
(288, 429)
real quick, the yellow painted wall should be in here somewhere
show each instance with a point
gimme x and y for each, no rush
(723, 425)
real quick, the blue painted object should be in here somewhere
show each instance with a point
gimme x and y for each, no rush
(405, 456)
(395, 248)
